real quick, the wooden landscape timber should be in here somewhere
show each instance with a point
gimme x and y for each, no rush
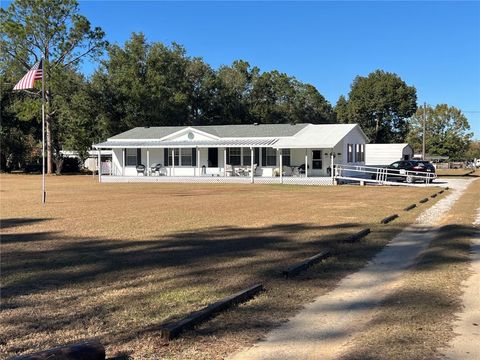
(357, 236)
(389, 219)
(434, 195)
(89, 349)
(171, 330)
(410, 207)
(424, 200)
(305, 264)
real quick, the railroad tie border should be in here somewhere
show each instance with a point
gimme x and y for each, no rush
(389, 218)
(357, 236)
(410, 207)
(424, 200)
(305, 264)
(88, 349)
(171, 330)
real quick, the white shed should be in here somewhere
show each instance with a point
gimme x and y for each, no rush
(385, 154)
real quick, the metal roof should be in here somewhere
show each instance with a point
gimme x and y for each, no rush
(318, 136)
(287, 136)
(260, 130)
(111, 144)
(396, 146)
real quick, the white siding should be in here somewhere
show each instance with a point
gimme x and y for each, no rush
(385, 154)
(353, 137)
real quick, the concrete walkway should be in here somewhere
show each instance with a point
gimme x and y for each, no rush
(466, 345)
(323, 328)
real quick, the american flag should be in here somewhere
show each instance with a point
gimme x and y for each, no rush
(27, 82)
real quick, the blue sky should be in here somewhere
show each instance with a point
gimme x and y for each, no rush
(434, 46)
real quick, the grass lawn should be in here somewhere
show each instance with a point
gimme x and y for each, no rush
(416, 321)
(113, 261)
(454, 172)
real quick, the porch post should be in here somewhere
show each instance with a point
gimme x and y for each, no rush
(99, 165)
(148, 161)
(281, 166)
(123, 162)
(198, 161)
(172, 171)
(225, 162)
(252, 167)
(306, 162)
(331, 165)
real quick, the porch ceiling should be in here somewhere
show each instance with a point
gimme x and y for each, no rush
(252, 142)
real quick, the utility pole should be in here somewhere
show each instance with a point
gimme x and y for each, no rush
(424, 126)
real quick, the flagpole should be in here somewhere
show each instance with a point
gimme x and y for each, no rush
(44, 192)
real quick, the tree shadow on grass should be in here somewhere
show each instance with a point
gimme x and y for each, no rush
(190, 251)
(220, 259)
(16, 222)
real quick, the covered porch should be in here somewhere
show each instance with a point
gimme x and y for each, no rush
(239, 162)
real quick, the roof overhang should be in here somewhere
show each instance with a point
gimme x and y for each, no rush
(297, 144)
(152, 144)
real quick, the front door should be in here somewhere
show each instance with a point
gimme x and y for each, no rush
(212, 157)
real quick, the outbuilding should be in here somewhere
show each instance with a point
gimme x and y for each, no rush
(385, 154)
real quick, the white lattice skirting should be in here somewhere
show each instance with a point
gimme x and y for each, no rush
(218, 180)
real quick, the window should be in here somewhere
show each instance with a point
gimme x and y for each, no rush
(186, 157)
(269, 157)
(286, 157)
(132, 157)
(359, 152)
(176, 155)
(362, 153)
(316, 159)
(246, 156)
(349, 153)
(234, 156)
(183, 157)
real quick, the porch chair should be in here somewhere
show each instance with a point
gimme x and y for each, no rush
(141, 169)
(241, 171)
(229, 171)
(249, 170)
(156, 169)
(287, 171)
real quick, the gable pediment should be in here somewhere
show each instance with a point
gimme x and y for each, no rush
(190, 134)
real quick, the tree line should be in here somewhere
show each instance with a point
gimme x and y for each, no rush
(142, 83)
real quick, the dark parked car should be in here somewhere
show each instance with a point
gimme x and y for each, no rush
(414, 167)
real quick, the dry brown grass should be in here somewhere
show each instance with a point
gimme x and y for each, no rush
(416, 321)
(112, 261)
(454, 172)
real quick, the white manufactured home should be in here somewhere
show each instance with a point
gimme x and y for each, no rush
(234, 153)
(385, 154)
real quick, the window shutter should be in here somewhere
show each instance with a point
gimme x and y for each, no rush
(165, 157)
(194, 157)
(228, 156)
(264, 157)
(139, 156)
(257, 156)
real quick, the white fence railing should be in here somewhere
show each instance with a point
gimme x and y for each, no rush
(380, 174)
(290, 180)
